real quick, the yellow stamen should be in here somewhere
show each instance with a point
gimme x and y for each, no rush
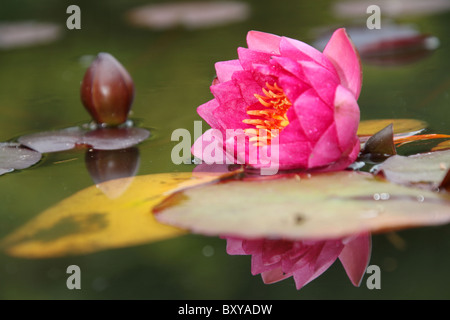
(272, 115)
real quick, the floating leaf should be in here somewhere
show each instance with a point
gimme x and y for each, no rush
(381, 144)
(53, 141)
(13, 156)
(400, 50)
(114, 138)
(298, 207)
(401, 8)
(401, 127)
(27, 33)
(424, 168)
(390, 45)
(89, 221)
(191, 15)
(69, 138)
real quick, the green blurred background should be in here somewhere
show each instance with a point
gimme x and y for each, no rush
(172, 70)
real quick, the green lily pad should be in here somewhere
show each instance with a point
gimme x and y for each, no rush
(298, 207)
(424, 168)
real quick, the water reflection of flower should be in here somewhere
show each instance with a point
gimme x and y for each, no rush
(277, 260)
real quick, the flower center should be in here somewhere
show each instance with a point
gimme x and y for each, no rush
(272, 115)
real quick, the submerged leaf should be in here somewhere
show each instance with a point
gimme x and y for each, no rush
(295, 207)
(424, 168)
(13, 156)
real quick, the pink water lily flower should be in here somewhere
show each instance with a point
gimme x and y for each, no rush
(283, 93)
(277, 260)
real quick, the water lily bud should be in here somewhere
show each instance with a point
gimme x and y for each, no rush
(107, 91)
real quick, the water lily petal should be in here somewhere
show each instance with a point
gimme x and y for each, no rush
(315, 116)
(322, 80)
(234, 246)
(310, 75)
(294, 155)
(265, 42)
(346, 116)
(209, 147)
(302, 52)
(225, 69)
(248, 58)
(326, 150)
(225, 92)
(206, 111)
(248, 86)
(317, 262)
(355, 257)
(232, 107)
(290, 65)
(292, 87)
(348, 157)
(274, 275)
(258, 265)
(345, 58)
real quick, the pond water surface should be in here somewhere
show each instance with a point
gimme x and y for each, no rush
(172, 69)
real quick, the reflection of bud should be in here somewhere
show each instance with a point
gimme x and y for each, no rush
(107, 166)
(107, 90)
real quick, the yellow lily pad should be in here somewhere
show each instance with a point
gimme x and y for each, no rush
(90, 221)
(400, 126)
